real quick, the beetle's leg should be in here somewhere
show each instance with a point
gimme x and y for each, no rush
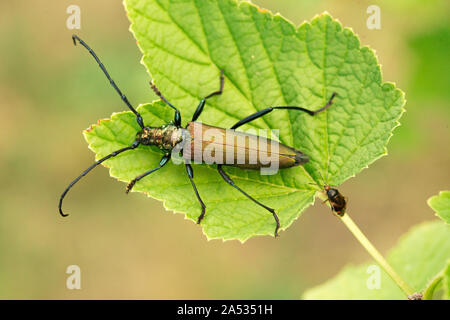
(163, 161)
(231, 182)
(259, 114)
(177, 118)
(199, 109)
(100, 64)
(190, 173)
(85, 172)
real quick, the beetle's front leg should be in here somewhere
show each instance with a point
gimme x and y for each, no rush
(163, 161)
(199, 109)
(177, 117)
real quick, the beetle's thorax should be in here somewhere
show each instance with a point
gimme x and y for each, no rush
(331, 192)
(164, 137)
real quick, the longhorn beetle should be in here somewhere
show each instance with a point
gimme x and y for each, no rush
(173, 135)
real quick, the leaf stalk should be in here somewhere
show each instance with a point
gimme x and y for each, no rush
(376, 255)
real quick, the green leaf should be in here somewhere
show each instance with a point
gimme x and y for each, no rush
(446, 282)
(421, 254)
(430, 47)
(441, 280)
(267, 61)
(441, 205)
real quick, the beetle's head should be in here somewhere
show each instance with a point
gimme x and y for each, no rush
(331, 192)
(146, 136)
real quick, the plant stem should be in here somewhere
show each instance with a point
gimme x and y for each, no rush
(375, 254)
(431, 287)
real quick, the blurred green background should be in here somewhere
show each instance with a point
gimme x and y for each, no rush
(129, 246)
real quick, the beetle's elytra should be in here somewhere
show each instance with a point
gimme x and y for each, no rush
(191, 141)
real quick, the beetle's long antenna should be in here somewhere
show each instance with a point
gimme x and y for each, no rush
(115, 153)
(100, 64)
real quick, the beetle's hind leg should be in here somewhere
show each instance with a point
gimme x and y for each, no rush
(200, 106)
(227, 178)
(263, 112)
